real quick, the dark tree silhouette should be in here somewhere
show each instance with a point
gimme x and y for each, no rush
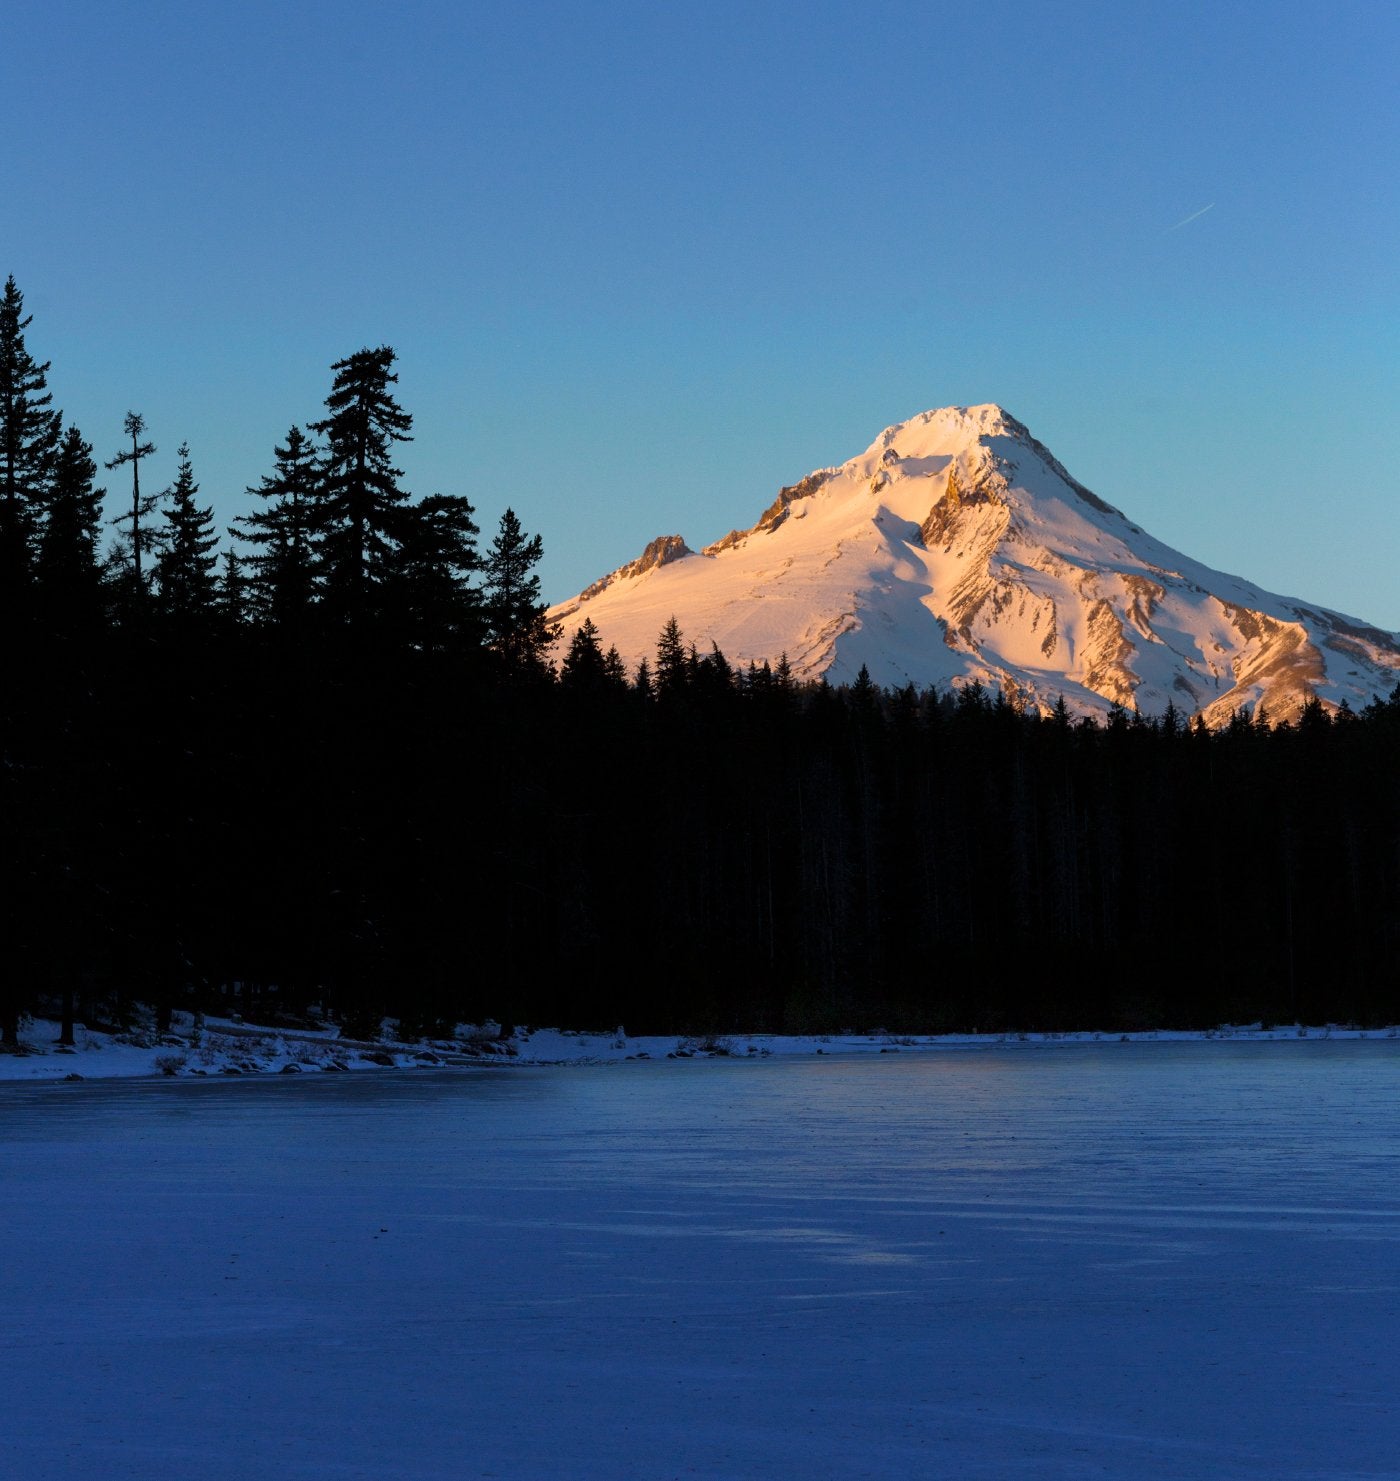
(185, 565)
(432, 596)
(360, 498)
(283, 581)
(68, 568)
(672, 666)
(584, 667)
(139, 538)
(516, 627)
(29, 433)
(234, 600)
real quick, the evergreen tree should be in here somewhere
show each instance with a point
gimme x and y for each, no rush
(360, 500)
(614, 670)
(584, 668)
(185, 565)
(283, 582)
(863, 692)
(516, 626)
(713, 674)
(68, 567)
(672, 662)
(139, 539)
(29, 434)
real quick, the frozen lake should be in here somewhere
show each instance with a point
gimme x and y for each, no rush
(1143, 1260)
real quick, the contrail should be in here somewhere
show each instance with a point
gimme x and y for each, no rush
(1192, 217)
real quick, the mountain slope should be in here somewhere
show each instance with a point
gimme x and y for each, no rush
(957, 547)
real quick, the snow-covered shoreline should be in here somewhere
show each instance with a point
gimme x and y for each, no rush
(228, 1047)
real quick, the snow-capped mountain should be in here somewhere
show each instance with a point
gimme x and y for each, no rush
(957, 547)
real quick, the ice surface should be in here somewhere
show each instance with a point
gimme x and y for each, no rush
(1115, 1260)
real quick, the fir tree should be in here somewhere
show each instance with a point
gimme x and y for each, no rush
(185, 565)
(29, 434)
(516, 626)
(360, 499)
(139, 539)
(283, 581)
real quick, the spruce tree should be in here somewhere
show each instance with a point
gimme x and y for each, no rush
(283, 583)
(516, 627)
(139, 538)
(185, 565)
(29, 434)
(360, 497)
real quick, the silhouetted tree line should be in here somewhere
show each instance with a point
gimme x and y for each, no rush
(344, 768)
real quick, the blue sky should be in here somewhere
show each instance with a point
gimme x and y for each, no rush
(643, 264)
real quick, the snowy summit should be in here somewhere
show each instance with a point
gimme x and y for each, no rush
(956, 547)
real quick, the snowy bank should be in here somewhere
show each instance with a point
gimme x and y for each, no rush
(222, 1046)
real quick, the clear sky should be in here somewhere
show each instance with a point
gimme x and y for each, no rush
(643, 263)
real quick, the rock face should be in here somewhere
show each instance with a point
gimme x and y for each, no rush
(957, 547)
(662, 551)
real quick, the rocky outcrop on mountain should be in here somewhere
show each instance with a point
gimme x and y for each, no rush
(775, 513)
(958, 548)
(660, 552)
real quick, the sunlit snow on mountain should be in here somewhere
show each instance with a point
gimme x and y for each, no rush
(957, 547)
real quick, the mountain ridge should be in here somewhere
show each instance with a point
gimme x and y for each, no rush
(957, 547)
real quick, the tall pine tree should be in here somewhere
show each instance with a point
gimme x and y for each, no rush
(360, 499)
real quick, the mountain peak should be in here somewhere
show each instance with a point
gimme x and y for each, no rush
(947, 429)
(958, 548)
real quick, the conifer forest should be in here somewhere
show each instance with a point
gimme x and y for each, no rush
(337, 756)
